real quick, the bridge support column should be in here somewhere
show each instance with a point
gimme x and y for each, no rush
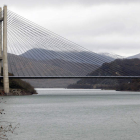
(0, 40)
(5, 61)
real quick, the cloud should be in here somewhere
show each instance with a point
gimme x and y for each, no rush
(38, 3)
(98, 25)
(115, 28)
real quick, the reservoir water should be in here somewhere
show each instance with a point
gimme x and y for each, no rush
(62, 114)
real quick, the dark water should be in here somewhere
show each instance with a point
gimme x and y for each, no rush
(75, 115)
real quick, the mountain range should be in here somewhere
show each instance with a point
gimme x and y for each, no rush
(44, 62)
(70, 56)
(118, 67)
(48, 63)
(134, 56)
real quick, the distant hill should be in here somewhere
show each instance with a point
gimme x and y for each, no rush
(76, 57)
(125, 67)
(49, 62)
(20, 66)
(111, 55)
(119, 67)
(134, 56)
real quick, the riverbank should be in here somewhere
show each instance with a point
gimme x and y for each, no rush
(16, 92)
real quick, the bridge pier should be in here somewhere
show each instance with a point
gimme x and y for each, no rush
(5, 61)
(0, 40)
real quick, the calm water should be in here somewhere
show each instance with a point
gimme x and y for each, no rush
(75, 115)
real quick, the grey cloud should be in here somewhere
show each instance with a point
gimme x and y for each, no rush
(123, 25)
(99, 28)
(123, 49)
(38, 3)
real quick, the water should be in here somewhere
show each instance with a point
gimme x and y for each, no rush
(63, 114)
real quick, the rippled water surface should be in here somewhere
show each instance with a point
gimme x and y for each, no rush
(62, 114)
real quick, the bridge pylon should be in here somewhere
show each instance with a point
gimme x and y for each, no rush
(3, 56)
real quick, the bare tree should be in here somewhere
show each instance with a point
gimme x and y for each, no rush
(5, 126)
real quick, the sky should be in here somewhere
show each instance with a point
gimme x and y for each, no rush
(111, 26)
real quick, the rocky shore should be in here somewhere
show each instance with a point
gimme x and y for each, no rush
(16, 92)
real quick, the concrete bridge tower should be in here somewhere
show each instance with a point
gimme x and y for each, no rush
(3, 56)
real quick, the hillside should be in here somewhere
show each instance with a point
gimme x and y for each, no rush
(70, 56)
(112, 55)
(42, 62)
(125, 67)
(134, 56)
(17, 87)
(21, 66)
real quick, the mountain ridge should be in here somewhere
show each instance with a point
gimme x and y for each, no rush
(124, 67)
(134, 56)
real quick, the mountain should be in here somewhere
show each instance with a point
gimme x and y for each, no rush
(111, 55)
(134, 56)
(124, 67)
(70, 56)
(22, 66)
(41, 62)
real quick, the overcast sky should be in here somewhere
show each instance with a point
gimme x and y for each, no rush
(99, 25)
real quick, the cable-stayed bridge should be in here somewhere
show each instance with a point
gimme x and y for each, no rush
(33, 52)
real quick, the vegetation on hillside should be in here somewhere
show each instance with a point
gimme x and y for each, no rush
(19, 84)
(119, 67)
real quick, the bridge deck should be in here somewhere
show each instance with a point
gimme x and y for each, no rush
(72, 77)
